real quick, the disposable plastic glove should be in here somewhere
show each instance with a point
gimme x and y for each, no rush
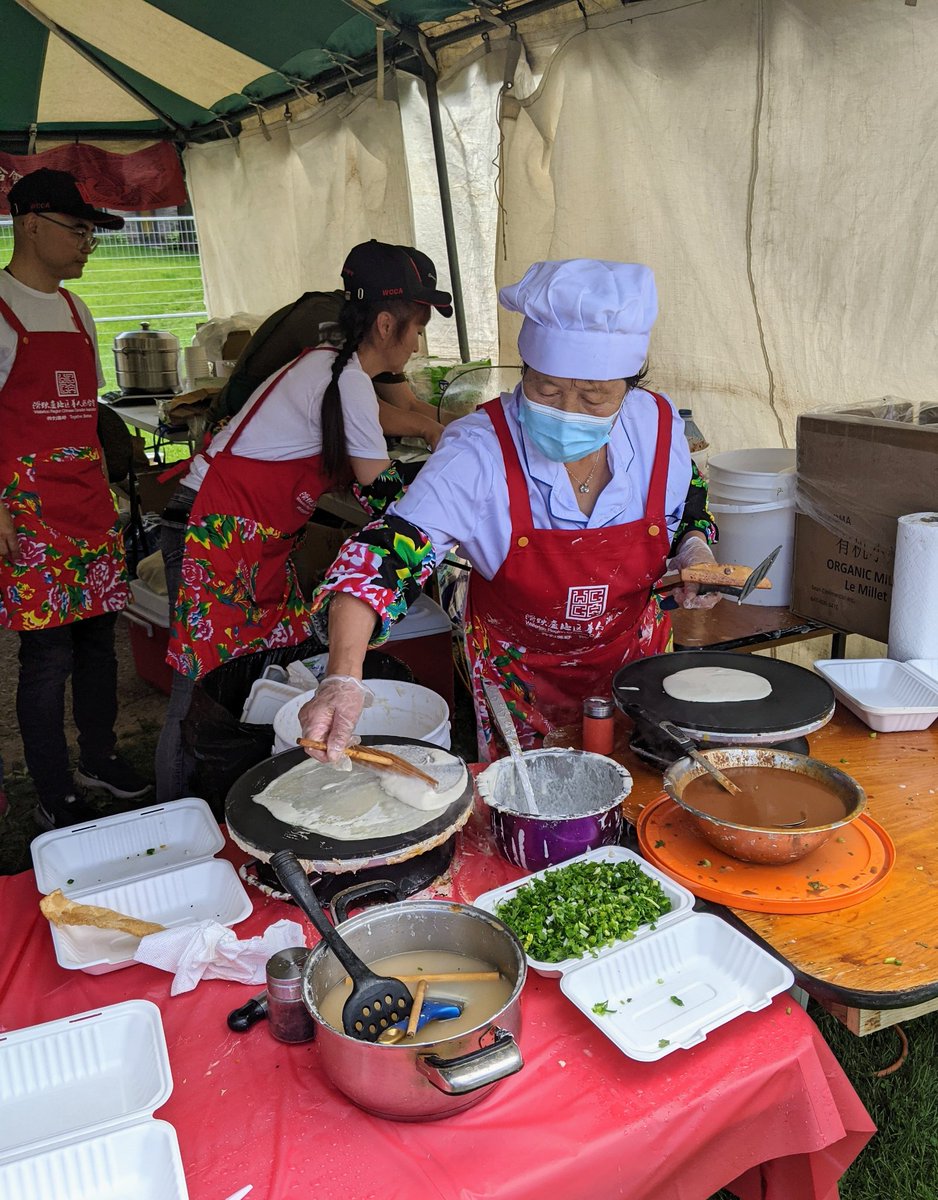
(332, 714)
(692, 552)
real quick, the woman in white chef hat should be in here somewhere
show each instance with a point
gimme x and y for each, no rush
(567, 496)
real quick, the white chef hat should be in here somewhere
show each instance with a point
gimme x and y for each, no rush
(584, 318)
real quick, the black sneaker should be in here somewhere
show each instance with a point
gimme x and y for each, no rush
(114, 775)
(70, 810)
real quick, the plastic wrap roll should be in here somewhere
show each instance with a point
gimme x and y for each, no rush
(913, 629)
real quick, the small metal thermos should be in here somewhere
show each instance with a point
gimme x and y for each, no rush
(288, 1016)
(598, 724)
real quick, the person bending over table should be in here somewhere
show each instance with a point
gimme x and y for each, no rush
(308, 322)
(567, 497)
(312, 426)
(62, 574)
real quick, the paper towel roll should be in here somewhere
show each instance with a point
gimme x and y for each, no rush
(913, 626)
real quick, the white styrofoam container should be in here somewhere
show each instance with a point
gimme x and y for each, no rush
(154, 604)
(116, 849)
(717, 972)
(209, 890)
(76, 1102)
(265, 700)
(108, 862)
(682, 901)
(927, 666)
(885, 694)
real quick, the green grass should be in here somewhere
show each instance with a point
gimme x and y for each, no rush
(134, 283)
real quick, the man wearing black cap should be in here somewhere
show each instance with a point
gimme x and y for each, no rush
(62, 574)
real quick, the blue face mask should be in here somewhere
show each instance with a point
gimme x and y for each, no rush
(563, 436)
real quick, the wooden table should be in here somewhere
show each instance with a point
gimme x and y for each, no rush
(840, 957)
(747, 627)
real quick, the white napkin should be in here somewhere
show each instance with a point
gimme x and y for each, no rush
(207, 950)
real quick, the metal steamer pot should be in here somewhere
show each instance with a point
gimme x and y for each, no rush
(147, 360)
(430, 1080)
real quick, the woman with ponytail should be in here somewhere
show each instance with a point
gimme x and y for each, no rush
(308, 429)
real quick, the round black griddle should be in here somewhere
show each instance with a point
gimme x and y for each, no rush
(799, 703)
(255, 829)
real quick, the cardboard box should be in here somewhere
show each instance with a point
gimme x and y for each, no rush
(857, 474)
(235, 343)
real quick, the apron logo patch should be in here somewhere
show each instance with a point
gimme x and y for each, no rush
(66, 383)
(584, 603)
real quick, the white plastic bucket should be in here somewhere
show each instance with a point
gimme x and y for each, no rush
(750, 532)
(752, 476)
(399, 709)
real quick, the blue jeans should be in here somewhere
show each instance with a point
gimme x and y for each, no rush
(174, 765)
(85, 650)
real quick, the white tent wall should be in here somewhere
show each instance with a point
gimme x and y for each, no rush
(775, 163)
(276, 217)
(469, 116)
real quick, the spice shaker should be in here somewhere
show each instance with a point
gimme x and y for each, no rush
(288, 1016)
(598, 724)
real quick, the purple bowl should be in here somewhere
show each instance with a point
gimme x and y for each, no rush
(580, 801)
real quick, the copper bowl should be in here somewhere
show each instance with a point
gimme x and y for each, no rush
(765, 844)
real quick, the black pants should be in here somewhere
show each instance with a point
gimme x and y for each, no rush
(85, 650)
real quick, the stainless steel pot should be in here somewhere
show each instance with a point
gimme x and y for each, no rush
(147, 360)
(433, 1079)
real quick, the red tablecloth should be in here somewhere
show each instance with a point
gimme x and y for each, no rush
(762, 1102)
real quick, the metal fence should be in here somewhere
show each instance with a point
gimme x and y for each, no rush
(149, 271)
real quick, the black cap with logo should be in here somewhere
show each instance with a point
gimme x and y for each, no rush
(379, 271)
(47, 191)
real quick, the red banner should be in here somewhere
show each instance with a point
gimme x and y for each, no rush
(138, 182)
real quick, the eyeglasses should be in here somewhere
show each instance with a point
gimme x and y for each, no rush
(84, 236)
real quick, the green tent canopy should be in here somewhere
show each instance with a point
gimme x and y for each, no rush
(145, 69)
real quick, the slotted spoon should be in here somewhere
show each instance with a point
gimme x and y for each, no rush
(376, 1001)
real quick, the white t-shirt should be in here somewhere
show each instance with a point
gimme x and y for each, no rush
(460, 497)
(289, 423)
(39, 312)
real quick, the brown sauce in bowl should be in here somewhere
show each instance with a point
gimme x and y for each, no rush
(770, 797)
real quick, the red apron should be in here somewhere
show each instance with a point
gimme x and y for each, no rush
(239, 592)
(71, 554)
(567, 607)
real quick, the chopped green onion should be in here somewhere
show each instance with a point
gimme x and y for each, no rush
(582, 907)
(602, 1009)
(678, 1001)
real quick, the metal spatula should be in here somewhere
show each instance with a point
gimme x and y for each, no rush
(376, 1002)
(506, 726)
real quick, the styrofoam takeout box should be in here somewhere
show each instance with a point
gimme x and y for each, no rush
(716, 972)
(77, 1098)
(885, 694)
(156, 864)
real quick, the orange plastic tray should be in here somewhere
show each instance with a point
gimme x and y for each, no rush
(849, 868)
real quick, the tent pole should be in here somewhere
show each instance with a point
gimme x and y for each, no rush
(446, 206)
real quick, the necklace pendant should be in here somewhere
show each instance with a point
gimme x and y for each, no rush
(584, 489)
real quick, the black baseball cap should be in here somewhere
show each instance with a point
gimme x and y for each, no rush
(379, 271)
(56, 191)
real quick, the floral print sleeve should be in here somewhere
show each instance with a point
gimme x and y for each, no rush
(696, 514)
(377, 496)
(385, 565)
